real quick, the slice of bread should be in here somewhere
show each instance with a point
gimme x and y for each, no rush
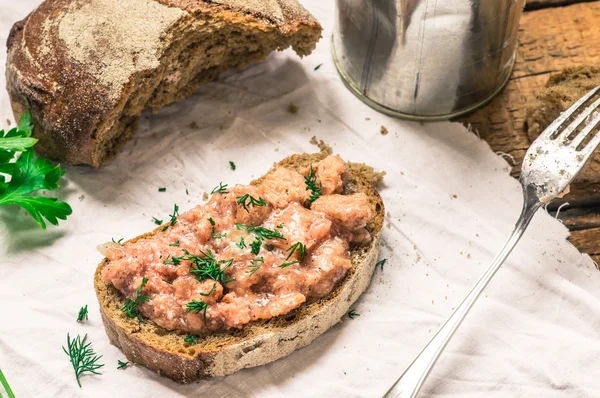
(87, 68)
(259, 342)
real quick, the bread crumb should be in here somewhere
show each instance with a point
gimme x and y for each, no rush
(194, 126)
(292, 108)
(8, 122)
(367, 118)
(81, 197)
(205, 196)
(276, 149)
(321, 144)
(375, 177)
(468, 255)
(383, 130)
(454, 196)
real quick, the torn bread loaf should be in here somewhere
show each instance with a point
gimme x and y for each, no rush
(259, 341)
(88, 68)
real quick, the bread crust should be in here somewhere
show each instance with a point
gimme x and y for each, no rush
(259, 342)
(72, 104)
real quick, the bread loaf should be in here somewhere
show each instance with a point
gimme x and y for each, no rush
(87, 68)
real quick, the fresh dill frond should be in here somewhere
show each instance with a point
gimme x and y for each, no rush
(219, 236)
(249, 200)
(130, 308)
(173, 216)
(83, 314)
(255, 265)
(285, 265)
(262, 233)
(82, 356)
(190, 338)
(175, 244)
(297, 247)
(232, 165)
(120, 241)
(311, 185)
(196, 307)
(162, 189)
(241, 244)
(157, 221)
(381, 263)
(121, 364)
(353, 314)
(221, 189)
(212, 290)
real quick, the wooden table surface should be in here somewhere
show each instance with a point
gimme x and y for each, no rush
(553, 35)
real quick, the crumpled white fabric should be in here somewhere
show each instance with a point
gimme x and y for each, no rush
(450, 203)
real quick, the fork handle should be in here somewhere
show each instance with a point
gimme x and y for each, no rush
(409, 383)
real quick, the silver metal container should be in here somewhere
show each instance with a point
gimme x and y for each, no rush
(426, 59)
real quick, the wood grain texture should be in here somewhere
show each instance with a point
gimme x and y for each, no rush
(537, 4)
(550, 40)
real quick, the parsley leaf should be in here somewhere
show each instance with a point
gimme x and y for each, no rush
(28, 174)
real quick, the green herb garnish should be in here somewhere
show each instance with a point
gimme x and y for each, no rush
(120, 241)
(173, 216)
(261, 234)
(284, 265)
(318, 66)
(175, 244)
(255, 265)
(249, 200)
(212, 290)
(232, 165)
(311, 185)
(212, 224)
(219, 236)
(130, 308)
(162, 189)
(241, 244)
(207, 266)
(221, 189)
(157, 221)
(279, 226)
(121, 364)
(83, 314)
(297, 247)
(196, 307)
(82, 356)
(191, 339)
(5, 385)
(381, 263)
(353, 314)
(22, 174)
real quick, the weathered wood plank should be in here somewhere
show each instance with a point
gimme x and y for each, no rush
(550, 40)
(538, 4)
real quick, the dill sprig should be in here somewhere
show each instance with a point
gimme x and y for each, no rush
(5, 385)
(296, 247)
(173, 216)
(249, 200)
(190, 338)
(196, 307)
(353, 314)
(207, 266)
(311, 185)
(221, 189)
(130, 308)
(232, 165)
(255, 265)
(175, 244)
(157, 221)
(121, 364)
(241, 244)
(120, 241)
(82, 356)
(212, 290)
(262, 233)
(381, 263)
(212, 225)
(83, 314)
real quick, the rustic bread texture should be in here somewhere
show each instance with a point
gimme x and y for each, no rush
(259, 342)
(87, 68)
(562, 91)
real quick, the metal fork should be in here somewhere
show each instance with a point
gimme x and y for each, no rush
(550, 164)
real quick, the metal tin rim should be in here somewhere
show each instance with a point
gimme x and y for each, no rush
(429, 118)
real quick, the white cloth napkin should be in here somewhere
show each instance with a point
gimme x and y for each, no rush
(450, 202)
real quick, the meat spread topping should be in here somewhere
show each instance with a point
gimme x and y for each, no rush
(251, 252)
